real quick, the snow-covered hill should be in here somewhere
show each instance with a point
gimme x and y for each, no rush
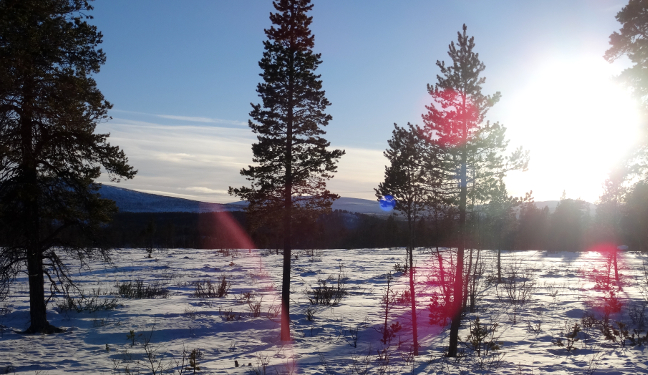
(134, 201)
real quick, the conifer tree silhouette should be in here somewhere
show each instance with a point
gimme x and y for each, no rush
(469, 160)
(50, 155)
(292, 159)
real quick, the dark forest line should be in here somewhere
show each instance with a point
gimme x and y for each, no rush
(571, 226)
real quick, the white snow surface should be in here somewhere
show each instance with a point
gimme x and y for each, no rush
(341, 339)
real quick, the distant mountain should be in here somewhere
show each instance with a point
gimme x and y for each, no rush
(134, 201)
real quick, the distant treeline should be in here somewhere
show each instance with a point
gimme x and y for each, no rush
(570, 227)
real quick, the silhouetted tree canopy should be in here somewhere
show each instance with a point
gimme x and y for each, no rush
(50, 154)
(292, 159)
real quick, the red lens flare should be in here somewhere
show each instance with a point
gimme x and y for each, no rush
(452, 118)
(223, 231)
(603, 271)
(434, 278)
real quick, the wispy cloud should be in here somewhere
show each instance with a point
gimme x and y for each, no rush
(200, 162)
(205, 190)
(204, 120)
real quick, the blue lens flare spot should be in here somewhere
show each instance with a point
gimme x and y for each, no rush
(387, 203)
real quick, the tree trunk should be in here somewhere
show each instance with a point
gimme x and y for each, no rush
(386, 333)
(616, 268)
(29, 179)
(477, 272)
(458, 287)
(499, 265)
(468, 279)
(37, 307)
(444, 287)
(285, 282)
(458, 283)
(412, 291)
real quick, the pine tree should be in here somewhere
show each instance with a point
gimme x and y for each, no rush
(470, 157)
(406, 179)
(293, 162)
(49, 153)
(632, 41)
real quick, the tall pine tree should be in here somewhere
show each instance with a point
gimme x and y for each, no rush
(49, 153)
(470, 157)
(292, 159)
(407, 180)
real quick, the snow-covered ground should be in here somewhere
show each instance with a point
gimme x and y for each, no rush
(142, 335)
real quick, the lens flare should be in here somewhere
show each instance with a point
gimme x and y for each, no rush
(387, 203)
(452, 118)
(603, 271)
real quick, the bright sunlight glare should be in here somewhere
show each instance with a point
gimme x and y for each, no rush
(578, 124)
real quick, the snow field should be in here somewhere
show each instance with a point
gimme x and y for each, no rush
(549, 294)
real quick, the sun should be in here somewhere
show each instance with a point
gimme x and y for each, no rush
(578, 124)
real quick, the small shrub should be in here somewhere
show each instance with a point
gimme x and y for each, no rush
(517, 286)
(619, 333)
(637, 313)
(482, 338)
(325, 294)
(139, 290)
(274, 310)
(193, 357)
(255, 307)
(401, 268)
(262, 365)
(439, 313)
(207, 289)
(245, 298)
(310, 314)
(589, 320)
(611, 304)
(131, 336)
(404, 297)
(90, 303)
(571, 337)
(229, 315)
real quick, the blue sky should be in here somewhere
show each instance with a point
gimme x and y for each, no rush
(182, 75)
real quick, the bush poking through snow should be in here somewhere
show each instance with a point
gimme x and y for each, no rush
(401, 268)
(571, 337)
(245, 298)
(438, 311)
(255, 307)
(262, 365)
(93, 302)
(325, 294)
(193, 357)
(138, 290)
(517, 286)
(229, 315)
(310, 314)
(637, 313)
(207, 289)
(482, 339)
(620, 333)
